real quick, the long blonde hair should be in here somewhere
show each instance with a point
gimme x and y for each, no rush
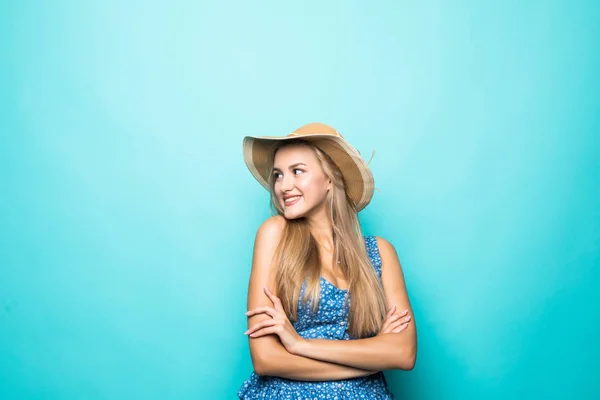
(297, 255)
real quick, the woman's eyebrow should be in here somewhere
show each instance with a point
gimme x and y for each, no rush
(290, 167)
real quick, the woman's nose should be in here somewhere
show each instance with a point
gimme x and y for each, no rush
(287, 183)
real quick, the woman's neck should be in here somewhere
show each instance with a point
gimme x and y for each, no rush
(322, 231)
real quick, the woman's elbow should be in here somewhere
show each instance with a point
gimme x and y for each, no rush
(260, 364)
(260, 369)
(409, 359)
(267, 356)
(410, 362)
(265, 362)
(405, 360)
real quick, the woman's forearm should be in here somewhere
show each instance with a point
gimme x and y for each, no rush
(279, 362)
(384, 352)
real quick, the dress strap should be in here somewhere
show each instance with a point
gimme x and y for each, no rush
(373, 253)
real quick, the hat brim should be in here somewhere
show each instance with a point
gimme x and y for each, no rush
(357, 176)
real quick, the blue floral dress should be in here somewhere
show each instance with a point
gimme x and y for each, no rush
(330, 322)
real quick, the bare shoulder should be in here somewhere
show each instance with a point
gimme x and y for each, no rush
(271, 228)
(268, 237)
(384, 242)
(386, 250)
(263, 272)
(391, 269)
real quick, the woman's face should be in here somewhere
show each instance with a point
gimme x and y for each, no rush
(300, 185)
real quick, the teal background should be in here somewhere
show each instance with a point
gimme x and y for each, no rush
(127, 215)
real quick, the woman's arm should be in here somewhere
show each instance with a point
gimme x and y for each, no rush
(389, 351)
(279, 362)
(269, 356)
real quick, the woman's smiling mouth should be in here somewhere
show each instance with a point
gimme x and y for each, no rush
(290, 201)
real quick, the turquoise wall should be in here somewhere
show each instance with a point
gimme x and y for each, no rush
(127, 215)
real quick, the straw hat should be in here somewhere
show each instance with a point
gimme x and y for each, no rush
(258, 151)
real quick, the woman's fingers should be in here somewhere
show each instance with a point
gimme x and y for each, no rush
(402, 323)
(391, 312)
(264, 309)
(395, 322)
(274, 299)
(401, 328)
(396, 317)
(263, 324)
(386, 322)
(393, 318)
(267, 331)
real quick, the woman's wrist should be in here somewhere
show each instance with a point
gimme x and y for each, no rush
(301, 347)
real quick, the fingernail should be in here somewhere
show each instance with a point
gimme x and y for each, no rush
(393, 308)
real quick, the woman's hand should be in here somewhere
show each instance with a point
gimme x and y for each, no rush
(394, 322)
(279, 324)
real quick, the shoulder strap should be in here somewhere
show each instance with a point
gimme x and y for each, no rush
(373, 253)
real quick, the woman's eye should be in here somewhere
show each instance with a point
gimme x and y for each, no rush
(276, 175)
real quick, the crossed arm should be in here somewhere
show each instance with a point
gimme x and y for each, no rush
(321, 359)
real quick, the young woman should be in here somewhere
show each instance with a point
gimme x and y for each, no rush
(328, 307)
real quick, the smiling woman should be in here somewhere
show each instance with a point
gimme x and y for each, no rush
(328, 307)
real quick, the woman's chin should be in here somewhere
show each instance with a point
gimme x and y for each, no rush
(289, 214)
